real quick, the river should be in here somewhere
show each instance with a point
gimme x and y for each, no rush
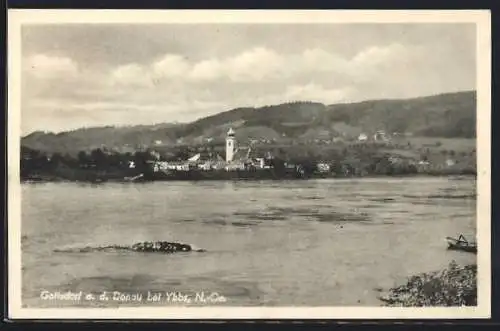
(327, 242)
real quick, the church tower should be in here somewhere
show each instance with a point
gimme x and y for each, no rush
(230, 148)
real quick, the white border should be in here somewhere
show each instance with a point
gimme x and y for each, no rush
(482, 19)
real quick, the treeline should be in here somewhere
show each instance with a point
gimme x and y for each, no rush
(96, 165)
(101, 165)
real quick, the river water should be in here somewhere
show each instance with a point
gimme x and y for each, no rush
(275, 243)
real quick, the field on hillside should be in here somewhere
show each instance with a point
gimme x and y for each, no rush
(451, 115)
(455, 144)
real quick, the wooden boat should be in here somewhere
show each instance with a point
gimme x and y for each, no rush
(461, 244)
(135, 178)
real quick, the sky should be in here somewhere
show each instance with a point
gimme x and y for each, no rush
(84, 75)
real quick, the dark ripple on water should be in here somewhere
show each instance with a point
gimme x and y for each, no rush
(215, 221)
(425, 203)
(372, 206)
(282, 213)
(187, 220)
(310, 198)
(272, 214)
(337, 217)
(377, 223)
(245, 224)
(441, 196)
(425, 214)
(382, 199)
(264, 216)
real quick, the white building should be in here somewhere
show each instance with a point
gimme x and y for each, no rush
(230, 145)
(362, 137)
(380, 136)
(323, 167)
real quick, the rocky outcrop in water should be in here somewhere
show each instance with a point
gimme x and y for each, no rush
(165, 247)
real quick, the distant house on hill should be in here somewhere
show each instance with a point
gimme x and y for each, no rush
(362, 137)
(380, 136)
(450, 162)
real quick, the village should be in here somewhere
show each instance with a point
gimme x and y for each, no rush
(241, 157)
(375, 154)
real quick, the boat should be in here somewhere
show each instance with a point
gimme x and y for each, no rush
(135, 178)
(461, 244)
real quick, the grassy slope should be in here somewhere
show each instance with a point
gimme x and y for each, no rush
(445, 116)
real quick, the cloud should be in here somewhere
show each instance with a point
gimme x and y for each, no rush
(206, 70)
(379, 60)
(171, 66)
(377, 55)
(131, 74)
(258, 64)
(46, 67)
(315, 92)
(318, 59)
(254, 65)
(173, 87)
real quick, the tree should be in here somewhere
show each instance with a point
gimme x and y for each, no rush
(278, 165)
(56, 159)
(83, 159)
(99, 158)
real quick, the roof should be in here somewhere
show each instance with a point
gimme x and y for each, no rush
(206, 156)
(244, 153)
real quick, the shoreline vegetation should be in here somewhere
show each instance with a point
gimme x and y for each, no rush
(451, 287)
(232, 176)
(360, 161)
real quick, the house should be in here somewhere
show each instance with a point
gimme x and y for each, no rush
(380, 136)
(155, 155)
(323, 167)
(235, 166)
(362, 137)
(179, 166)
(207, 161)
(450, 162)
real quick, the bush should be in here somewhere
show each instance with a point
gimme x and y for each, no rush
(454, 286)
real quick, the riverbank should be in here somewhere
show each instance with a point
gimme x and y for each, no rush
(454, 286)
(268, 174)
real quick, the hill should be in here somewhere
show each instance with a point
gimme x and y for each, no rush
(451, 115)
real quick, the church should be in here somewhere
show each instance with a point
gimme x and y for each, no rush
(239, 157)
(236, 158)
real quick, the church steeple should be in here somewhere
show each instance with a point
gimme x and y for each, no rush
(230, 145)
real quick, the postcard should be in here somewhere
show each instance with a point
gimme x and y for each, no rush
(249, 164)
